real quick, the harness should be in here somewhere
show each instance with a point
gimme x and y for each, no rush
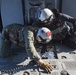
(59, 29)
(60, 32)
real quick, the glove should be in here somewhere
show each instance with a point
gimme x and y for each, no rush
(47, 67)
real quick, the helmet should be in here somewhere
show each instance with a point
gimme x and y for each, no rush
(46, 15)
(44, 35)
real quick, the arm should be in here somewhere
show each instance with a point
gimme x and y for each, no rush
(29, 45)
(67, 17)
(32, 53)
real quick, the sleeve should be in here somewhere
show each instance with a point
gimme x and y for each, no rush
(67, 17)
(29, 45)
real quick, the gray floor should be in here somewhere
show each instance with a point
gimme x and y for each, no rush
(18, 63)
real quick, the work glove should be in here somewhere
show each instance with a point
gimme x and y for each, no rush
(46, 66)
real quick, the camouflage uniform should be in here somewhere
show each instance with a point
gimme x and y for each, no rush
(11, 34)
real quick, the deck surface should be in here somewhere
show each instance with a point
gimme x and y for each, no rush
(18, 63)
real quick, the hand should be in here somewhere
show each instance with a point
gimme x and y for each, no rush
(45, 65)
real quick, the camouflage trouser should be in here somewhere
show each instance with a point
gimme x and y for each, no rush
(5, 43)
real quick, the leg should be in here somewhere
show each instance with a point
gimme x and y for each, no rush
(5, 43)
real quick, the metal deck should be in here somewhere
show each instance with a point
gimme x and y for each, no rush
(18, 63)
